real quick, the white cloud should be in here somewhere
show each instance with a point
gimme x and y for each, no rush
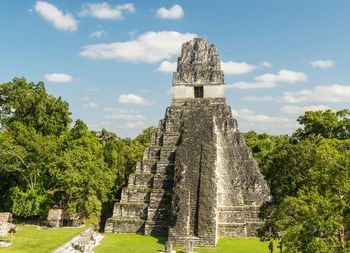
(125, 116)
(254, 98)
(167, 67)
(323, 64)
(134, 124)
(249, 120)
(98, 34)
(332, 93)
(175, 12)
(105, 11)
(236, 68)
(291, 109)
(58, 78)
(283, 76)
(149, 47)
(56, 17)
(266, 64)
(91, 105)
(133, 99)
(251, 85)
(270, 80)
(85, 98)
(92, 89)
(119, 110)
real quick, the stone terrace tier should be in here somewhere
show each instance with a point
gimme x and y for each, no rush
(145, 205)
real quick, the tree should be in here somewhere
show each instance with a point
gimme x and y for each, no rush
(326, 124)
(30, 104)
(312, 219)
(81, 177)
(309, 180)
(145, 138)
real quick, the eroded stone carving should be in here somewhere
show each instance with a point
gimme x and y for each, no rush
(198, 64)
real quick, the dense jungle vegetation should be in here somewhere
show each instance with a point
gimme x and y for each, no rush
(45, 160)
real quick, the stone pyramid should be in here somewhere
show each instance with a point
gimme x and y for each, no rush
(198, 178)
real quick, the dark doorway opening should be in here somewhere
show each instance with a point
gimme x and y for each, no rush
(198, 92)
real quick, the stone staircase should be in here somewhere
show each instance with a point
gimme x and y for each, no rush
(145, 205)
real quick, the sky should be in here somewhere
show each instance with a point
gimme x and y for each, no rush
(112, 61)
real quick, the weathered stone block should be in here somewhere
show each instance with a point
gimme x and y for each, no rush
(130, 210)
(136, 195)
(135, 226)
(140, 180)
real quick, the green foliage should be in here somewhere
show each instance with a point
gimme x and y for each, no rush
(26, 153)
(43, 162)
(82, 178)
(121, 156)
(309, 180)
(262, 145)
(145, 138)
(326, 124)
(30, 203)
(29, 104)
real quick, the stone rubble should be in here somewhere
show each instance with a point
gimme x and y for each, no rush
(84, 242)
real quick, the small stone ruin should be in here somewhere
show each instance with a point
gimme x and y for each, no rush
(6, 228)
(57, 218)
(198, 178)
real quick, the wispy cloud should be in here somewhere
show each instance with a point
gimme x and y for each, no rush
(55, 16)
(251, 85)
(286, 76)
(266, 64)
(331, 93)
(254, 98)
(270, 80)
(105, 11)
(98, 34)
(248, 120)
(175, 12)
(58, 78)
(291, 109)
(92, 105)
(149, 47)
(236, 68)
(138, 124)
(167, 67)
(125, 116)
(133, 99)
(322, 64)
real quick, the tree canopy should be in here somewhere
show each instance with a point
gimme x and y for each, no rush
(309, 179)
(44, 162)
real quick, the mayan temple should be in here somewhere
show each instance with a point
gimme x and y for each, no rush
(198, 178)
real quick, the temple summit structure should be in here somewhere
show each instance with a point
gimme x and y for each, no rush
(198, 178)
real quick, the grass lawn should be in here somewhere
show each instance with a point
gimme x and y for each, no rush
(131, 243)
(29, 239)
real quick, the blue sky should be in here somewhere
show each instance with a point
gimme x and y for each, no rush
(113, 60)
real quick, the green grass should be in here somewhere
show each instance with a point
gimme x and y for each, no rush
(29, 239)
(139, 243)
